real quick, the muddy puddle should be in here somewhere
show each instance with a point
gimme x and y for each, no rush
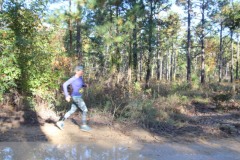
(217, 150)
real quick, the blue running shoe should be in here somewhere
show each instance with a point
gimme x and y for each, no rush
(85, 128)
(60, 124)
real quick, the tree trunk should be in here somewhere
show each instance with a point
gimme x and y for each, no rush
(226, 71)
(174, 64)
(221, 54)
(202, 45)
(149, 45)
(161, 68)
(189, 44)
(78, 43)
(171, 62)
(168, 65)
(152, 69)
(158, 66)
(1, 5)
(111, 14)
(70, 27)
(135, 61)
(117, 56)
(140, 65)
(158, 55)
(231, 68)
(237, 76)
(141, 59)
(129, 77)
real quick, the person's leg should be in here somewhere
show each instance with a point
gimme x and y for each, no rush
(84, 118)
(60, 123)
(83, 107)
(71, 111)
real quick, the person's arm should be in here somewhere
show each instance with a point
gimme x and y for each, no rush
(65, 85)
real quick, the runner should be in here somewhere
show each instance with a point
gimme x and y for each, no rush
(77, 84)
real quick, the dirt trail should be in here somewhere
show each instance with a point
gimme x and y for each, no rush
(31, 126)
(103, 142)
(72, 134)
(108, 141)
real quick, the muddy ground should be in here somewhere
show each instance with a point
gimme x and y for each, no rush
(203, 124)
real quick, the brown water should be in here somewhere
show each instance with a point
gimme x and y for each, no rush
(215, 150)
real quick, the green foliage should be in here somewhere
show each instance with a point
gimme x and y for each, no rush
(180, 86)
(139, 111)
(220, 87)
(9, 70)
(232, 14)
(28, 54)
(23, 22)
(137, 88)
(142, 107)
(172, 110)
(222, 97)
(195, 80)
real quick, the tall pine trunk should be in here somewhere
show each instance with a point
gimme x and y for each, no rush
(1, 5)
(135, 61)
(220, 63)
(134, 48)
(174, 63)
(202, 45)
(171, 62)
(140, 64)
(237, 63)
(158, 55)
(189, 44)
(70, 27)
(168, 64)
(78, 43)
(231, 68)
(117, 51)
(130, 57)
(150, 23)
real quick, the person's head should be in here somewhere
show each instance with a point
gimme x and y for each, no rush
(79, 70)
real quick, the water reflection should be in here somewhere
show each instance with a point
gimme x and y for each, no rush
(7, 153)
(225, 150)
(46, 151)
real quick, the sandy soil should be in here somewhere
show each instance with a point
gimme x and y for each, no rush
(14, 129)
(37, 133)
(29, 126)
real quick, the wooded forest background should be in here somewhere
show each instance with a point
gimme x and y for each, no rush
(135, 44)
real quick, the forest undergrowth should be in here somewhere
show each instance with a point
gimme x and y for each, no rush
(170, 109)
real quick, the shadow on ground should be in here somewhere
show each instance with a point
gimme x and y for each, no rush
(15, 126)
